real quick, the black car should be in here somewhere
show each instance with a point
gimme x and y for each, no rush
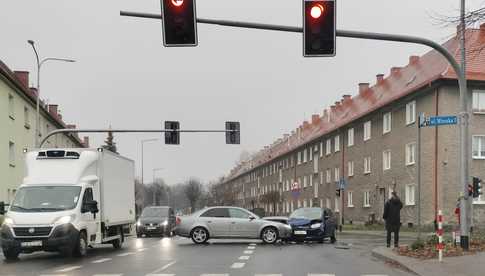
(313, 224)
(155, 220)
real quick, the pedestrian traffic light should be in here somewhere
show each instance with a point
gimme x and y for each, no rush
(179, 23)
(477, 187)
(172, 134)
(233, 133)
(319, 28)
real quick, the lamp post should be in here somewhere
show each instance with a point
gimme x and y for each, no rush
(142, 149)
(40, 62)
(154, 194)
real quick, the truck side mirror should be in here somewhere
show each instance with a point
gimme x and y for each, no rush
(90, 206)
(2, 208)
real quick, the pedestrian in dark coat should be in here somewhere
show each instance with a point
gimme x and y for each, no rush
(392, 216)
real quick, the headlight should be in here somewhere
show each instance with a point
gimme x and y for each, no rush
(316, 225)
(165, 223)
(65, 219)
(8, 221)
(138, 223)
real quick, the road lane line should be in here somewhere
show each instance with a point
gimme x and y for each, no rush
(244, 258)
(252, 244)
(374, 275)
(125, 254)
(107, 274)
(205, 274)
(101, 261)
(238, 265)
(268, 274)
(67, 269)
(43, 275)
(312, 274)
(142, 249)
(160, 275)
(252, 247)
(162, 268)
(248, 251)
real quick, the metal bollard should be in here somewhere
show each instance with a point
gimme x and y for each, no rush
(440, 246)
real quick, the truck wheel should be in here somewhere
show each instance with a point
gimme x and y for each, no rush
(81, 246)
(11, 254)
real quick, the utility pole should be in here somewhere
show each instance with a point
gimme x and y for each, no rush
(464, 139)
(142, 155)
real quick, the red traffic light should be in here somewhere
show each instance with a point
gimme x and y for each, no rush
(316, 11)
(177, 3)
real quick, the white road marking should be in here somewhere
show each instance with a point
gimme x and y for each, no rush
(321, 274)
(252, 247)
(125, 254)
(248, 251)
(107, 274)
(374, 275)
(67, 269)
(101, 261)
(238, 265)
(162, 268)
(205, 274)
(252, 244)
(142, 249)
(46, 275)
(244, 258)
(267, 274)
(160, 275)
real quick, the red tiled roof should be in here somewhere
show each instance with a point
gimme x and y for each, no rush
(4, 70)
(400, 82)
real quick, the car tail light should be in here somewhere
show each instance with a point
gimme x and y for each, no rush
(178, 221)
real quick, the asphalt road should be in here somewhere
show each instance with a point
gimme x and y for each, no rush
(180, 257)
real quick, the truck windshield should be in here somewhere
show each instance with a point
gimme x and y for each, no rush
(45, 199)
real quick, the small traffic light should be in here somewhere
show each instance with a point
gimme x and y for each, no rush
(179, 23)
(319, 28)
(172, 136)
(477, 187)
(233, 133)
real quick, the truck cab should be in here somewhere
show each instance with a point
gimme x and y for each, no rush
(66, 204)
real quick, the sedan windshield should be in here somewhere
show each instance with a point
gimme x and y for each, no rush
(45, 198)
(155, 212)
(307, 213)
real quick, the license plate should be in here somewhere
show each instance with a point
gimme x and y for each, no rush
(151, 228)
(300, 232)
(31, 243)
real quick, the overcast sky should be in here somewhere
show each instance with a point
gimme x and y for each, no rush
(125, 78)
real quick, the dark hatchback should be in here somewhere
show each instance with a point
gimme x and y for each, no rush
(313, 224)
(156, 220)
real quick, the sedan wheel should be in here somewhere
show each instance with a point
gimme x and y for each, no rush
(199, 235)
(269, 235)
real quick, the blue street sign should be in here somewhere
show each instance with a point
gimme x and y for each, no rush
(442, 120)
(342, 184)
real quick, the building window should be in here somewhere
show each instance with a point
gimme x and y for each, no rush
(367, 130)
(350, 168)
(479, 101)
(410, 191)
(321, 178)
(304, 181)
(410, 112)
(366, 199)
(305, 155)
(298, 162)
(26, 117)
(478, 146)
(350, 202)
(310, 178)
(329, 147)
(11, 153)
(310, 154)
(321, 149)
(337, 174)
(291, 161)
(337, 204)
(410, 154)
(350, 137)
(329, 176)
(386, 123)
(304, 203)
(11, 107)
(327, 203)
(337, 143)
(386, 160)
(367, 165)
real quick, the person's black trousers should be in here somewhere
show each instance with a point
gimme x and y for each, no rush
(392, 229)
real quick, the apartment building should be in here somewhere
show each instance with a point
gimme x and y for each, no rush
(369, 143)
(17, 127)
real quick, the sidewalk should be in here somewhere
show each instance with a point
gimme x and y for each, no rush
(472, 265)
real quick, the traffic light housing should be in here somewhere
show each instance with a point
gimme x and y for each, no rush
(319, 28)
(233, 133)
(179, 23)
(477, 187)
(172, 135)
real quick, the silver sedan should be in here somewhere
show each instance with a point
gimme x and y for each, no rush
(229, 223)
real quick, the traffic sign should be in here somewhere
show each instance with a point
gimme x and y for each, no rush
(442, 120)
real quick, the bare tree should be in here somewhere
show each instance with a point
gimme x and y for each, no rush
(272, 198)
(109, 143)
(140, 193)
(193, 190)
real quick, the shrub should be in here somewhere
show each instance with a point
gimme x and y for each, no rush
(418, 244)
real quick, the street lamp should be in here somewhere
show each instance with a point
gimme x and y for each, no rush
(154, 194)
(40, 62)
(142, 146)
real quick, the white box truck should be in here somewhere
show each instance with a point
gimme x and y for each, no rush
(70, 199)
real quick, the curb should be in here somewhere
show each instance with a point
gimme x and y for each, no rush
(387, 258)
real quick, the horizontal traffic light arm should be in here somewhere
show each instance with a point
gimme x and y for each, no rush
(68, 130)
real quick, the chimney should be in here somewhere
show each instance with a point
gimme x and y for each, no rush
(346, 99)
(86, 141)
(33, 91)
(379, 78)
(363, 86)
(71, 126)
(413, 59)
(305, 124)
(23, 77)
(53, 109)
(315, 119)
(337, 104)
(395, 70)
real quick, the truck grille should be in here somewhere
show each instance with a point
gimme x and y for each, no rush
(32, 231)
